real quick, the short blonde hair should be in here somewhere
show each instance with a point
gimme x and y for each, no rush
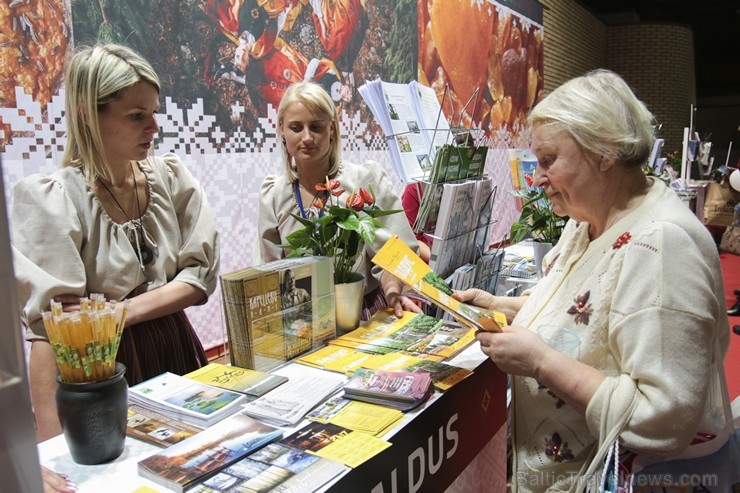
(96, 76)
(602, 114)
(317, 100)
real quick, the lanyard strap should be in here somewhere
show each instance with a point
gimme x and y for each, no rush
(299, 201)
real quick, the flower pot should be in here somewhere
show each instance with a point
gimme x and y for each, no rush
(540, 250)
(348, 302)
(93, 417)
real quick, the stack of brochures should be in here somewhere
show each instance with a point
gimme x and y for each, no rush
(186, 400)
(183, 465)
(411, 117)
(397, 389)
(253, 383)
(288, 404)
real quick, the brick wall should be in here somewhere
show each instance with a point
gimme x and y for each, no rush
(575, 41)
(657, 60)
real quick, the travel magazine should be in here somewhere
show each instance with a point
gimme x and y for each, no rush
(156, 428)
(399, 260)
(411, 117)
(288, 404)
(400, 390)
(276, 468)
(330, 441)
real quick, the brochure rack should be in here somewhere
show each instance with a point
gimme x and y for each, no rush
(455, 196)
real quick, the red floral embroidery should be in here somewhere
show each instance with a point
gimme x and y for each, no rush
(622, 240)
(582, 309)
(557, 449)
(550, 265)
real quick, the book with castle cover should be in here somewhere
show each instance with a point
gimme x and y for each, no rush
(254, 383)
(278, 310)
(399, 260)
(276, 468)
(184, 464)
(186, 400)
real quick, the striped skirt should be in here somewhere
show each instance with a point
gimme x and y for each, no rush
(168, 343)
(372, 302)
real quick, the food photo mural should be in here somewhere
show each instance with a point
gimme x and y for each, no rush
(493, 73)
(238, 56)
(224, 65)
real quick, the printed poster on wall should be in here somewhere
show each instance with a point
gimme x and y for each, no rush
(224, 61)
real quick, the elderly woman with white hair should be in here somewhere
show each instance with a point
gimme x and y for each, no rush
(626, 333)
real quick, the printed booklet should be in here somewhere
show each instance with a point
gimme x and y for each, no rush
(276, 468)
(186, 400)
(254, 383)
(397, 389)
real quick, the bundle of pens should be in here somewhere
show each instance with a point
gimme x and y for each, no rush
(85, 342)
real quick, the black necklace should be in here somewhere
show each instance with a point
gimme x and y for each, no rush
(143, 252)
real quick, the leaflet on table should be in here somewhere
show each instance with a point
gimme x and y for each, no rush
(355, 415)
(335, 358)
(185, 399)
(411, 117)
(443, 375)
(288, 404)
(276, 468)
(246, 381)
(351, 448)
(398, 259)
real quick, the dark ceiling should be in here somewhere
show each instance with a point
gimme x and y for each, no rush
(716, 27)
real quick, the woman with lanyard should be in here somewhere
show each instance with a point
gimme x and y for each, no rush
(308, 131)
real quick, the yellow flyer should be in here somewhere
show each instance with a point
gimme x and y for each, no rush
(398, 259)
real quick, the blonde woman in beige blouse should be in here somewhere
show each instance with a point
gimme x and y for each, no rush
(114, 220)
(311, 151)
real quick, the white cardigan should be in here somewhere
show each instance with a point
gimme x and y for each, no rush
(646, 300)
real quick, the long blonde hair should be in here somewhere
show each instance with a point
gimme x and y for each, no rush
(96, 76)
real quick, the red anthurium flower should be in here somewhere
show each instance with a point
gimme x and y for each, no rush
(354, 201)
(328, 185)
(367, 196)
(337, 192)
(318, 203)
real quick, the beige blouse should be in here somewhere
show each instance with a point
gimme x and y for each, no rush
(65, 243)
(277, 203)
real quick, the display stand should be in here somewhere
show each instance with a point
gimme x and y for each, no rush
(433, 446)
(430, 452)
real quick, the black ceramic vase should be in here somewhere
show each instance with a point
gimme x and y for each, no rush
(93, 417)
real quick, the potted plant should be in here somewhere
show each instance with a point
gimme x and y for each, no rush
(537, 220)
(340, 231)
